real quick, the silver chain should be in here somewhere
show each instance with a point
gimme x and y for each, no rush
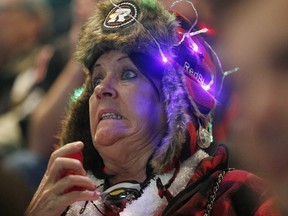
(215, 188)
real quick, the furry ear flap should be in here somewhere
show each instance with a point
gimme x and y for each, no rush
(177, 120)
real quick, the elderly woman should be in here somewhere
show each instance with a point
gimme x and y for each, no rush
(141, 123)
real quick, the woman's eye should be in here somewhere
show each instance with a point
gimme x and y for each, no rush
(128, 74)
(96, 82)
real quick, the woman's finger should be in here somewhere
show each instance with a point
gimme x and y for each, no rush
(65, 151)
(64, 166)
(73, 183)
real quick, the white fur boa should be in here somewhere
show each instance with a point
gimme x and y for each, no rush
(149, 203)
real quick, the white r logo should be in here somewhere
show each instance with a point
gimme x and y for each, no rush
(122, 15)
(119, 15)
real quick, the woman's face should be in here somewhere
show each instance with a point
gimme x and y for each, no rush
(126, 112)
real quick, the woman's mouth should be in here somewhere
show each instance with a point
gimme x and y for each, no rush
(110, 116)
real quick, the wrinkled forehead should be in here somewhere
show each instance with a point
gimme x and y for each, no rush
(149, 66)
(110, 56)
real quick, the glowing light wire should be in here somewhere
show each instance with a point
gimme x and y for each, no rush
(204, 30)
(226, 73)
(188, 35)
(194, 9)
(194, 45)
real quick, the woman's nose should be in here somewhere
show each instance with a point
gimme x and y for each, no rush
(106, 89)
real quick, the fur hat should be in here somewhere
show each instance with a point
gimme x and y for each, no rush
(145, 26)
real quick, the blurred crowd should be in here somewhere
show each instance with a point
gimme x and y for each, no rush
(38, 76)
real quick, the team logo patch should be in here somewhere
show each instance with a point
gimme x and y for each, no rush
(122, 15)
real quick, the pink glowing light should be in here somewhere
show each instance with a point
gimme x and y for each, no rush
(164, 59)
(195, 47)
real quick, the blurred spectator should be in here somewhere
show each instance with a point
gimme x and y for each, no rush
(24, 25)
(256, 40)
(47, 118)
(30, 163)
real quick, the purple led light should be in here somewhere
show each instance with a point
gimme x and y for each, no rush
(164, 59)
(206, 87)
(195, 47)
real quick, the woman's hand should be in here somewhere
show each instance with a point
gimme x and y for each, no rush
(54, 193)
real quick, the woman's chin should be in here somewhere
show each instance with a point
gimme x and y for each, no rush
(108, 136)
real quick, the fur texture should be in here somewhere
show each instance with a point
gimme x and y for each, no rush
(94, 41)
